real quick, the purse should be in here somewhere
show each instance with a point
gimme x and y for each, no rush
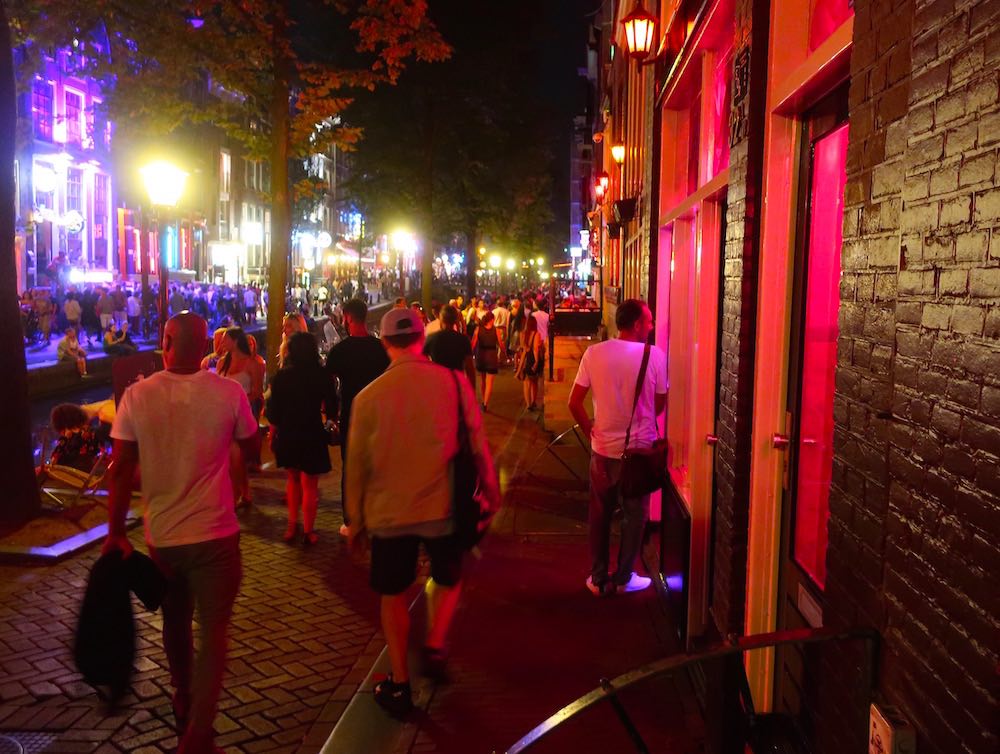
(526, 364)
(466, 510)
(644, 470)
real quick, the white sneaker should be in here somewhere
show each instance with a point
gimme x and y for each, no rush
(635, 584)
(595, 590)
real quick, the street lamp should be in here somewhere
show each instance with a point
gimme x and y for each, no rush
(618, 153)
(164, 184)
(640, 26)
(404, 242)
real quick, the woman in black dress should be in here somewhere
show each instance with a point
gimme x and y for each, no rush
(298, 396)
(484, 349)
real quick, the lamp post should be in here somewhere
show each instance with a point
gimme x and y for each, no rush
(164, 184)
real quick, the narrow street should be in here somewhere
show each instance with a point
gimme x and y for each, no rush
(305, 633)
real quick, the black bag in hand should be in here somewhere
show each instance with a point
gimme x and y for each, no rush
(644, 470)
(468, 513)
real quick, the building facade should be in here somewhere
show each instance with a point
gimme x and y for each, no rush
(821, 258)
(65, 189)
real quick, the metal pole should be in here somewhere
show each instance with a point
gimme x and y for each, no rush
(164, 276)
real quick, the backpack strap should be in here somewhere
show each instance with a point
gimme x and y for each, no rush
(638, 392)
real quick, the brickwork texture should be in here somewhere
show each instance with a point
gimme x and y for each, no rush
(915, 499)
(739, 312)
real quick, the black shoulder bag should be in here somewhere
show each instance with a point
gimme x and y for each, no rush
(644, 470)
(465, 507)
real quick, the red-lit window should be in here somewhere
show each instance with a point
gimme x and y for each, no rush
(824, 18)
(721, 86)
(819, 353)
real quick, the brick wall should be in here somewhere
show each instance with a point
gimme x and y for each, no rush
(739, 311)
(915, 500)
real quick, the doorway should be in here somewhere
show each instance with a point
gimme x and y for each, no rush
(812, 363)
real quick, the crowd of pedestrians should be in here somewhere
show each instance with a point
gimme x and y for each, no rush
(403, 407)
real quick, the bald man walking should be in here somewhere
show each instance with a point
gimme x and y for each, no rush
(181, 422)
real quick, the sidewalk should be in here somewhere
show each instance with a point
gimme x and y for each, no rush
(529, 638)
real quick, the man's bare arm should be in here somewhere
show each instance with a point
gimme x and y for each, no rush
(579, 411)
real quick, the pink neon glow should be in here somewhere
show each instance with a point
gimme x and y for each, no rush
(720, 114)
(825, 17)
(819, 358)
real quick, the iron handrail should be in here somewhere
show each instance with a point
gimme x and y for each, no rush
(609, 689)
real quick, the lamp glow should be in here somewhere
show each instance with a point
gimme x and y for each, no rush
(164, 183)
(640, 26)
(510, 264)
(495, 261)
(618, 153)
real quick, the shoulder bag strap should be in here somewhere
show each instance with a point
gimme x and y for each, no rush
(638, 392)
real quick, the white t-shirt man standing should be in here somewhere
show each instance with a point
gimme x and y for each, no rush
(611, 370)
(184, 421)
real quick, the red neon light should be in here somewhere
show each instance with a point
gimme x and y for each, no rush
(825, 17)
(819, 358)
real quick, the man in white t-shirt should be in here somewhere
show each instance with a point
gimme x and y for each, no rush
(184, 420)
(611, 370)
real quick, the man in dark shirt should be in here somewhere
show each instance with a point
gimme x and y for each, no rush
(355, 362)
(450, 348)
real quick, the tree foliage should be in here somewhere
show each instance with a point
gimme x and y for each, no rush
(458, 148)
(213, 61)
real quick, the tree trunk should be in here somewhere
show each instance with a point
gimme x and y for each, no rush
(20, 493)
(281, 204)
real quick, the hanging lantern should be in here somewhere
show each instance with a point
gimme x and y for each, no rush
(639, 25)
(618, 153)
(604, 180)
(599, 189)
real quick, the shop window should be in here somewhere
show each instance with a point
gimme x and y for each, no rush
(681, 340)
(819, 354)
(74, 111)
(41, 106)
(825, 16)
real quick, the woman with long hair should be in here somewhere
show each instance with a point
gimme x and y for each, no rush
(238, 363)
(530, 362)
(292, 323)
(295, 409)
(485, 345)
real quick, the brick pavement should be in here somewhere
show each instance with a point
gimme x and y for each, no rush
(528, 637)
(304, 635)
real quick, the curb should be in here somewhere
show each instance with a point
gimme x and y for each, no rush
(64, 548)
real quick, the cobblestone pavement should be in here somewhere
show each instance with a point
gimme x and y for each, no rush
(304, 634)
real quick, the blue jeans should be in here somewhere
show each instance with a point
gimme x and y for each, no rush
(604, 498)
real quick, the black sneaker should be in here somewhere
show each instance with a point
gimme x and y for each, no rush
(394, 698)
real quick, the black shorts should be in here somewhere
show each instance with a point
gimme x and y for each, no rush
(394, 561)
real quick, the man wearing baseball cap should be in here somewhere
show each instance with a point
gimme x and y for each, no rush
(403, 437)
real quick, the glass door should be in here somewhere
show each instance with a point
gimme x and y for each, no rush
(812, 369)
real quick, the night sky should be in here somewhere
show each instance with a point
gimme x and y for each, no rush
(566, 24)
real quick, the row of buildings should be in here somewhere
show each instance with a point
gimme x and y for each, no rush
(806, 193)
(80, 202)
